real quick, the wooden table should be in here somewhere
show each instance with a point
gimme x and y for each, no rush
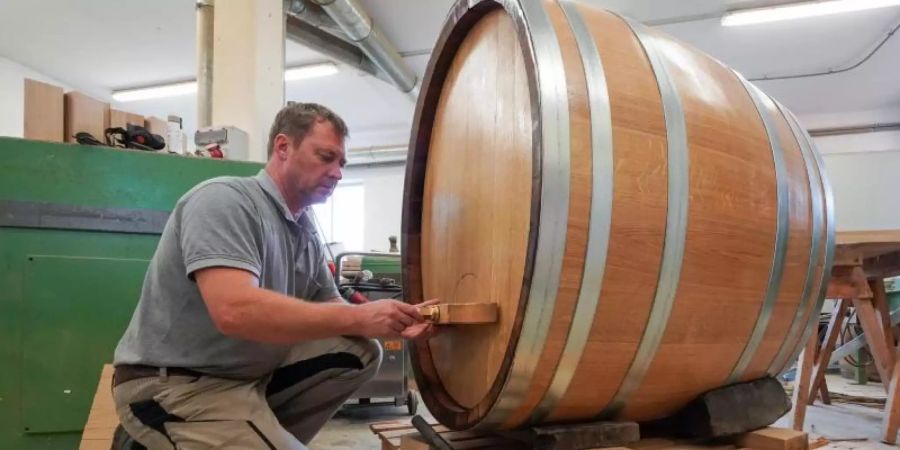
(862, 260)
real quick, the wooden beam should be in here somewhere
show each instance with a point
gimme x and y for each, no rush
(865, 314)
(848, 282)
(802, 379)
(461, 313)
(102, 419)
(774, 439)
(831, 334)
(891, 421)
(824, 395)
(883, 266)
(883, 313)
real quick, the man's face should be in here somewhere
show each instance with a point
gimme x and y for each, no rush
(314, 166)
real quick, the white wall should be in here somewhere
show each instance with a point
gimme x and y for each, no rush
(12, 95)
(866, 188)
(864, 169)
(383, 201)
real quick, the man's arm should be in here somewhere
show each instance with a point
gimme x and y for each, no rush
(241, 309)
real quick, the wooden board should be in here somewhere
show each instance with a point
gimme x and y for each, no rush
(774, 439)
(83, 113)
(102, 420)
(43, 112)
(121, 119)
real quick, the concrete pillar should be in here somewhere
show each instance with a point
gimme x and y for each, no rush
(248, 55)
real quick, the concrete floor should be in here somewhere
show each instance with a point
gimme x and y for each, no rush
(349, 429)
(844, 424)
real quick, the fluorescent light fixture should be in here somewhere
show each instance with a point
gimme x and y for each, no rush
(310, 71)
(801, 10)
(190, 87)
(147, 93)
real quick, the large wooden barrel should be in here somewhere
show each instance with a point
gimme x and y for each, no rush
(651, 225)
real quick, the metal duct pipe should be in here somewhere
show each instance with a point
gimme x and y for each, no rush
(315, 16)
(205, 34)
(376, 156)
(857, 129)
(358, 26)
(344, 52)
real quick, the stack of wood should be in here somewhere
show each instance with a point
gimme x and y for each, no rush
(54, 115)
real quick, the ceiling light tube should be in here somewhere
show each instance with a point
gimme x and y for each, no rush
(147, 93)
(310, 71)
(801, 10)
(190, 87)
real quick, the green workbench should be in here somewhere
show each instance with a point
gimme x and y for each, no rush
(78, 226)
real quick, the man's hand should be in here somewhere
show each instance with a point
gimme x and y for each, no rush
(424, 330)
(386, 318)
(392, 319)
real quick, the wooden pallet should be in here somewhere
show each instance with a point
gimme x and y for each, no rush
(401, 435)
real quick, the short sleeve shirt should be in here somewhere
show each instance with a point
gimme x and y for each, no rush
(242, 223)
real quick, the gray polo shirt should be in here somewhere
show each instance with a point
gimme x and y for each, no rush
(242, 223)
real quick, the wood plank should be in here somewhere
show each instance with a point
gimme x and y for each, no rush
(848, 282)
(414, 442)
(873, 332)
(121, 119)
(83, 113)
(102, 420)
(391, 425)
(774, 439)
(461, 313)
(824, 395)
(802, 380)
(391, 434)
(835, 326)
(883, 313)
(43, 111)
(885, 265)
(867, 237)
(891, 420)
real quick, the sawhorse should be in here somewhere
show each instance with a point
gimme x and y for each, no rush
(857, 281)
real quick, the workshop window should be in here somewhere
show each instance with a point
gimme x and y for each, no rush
(341, 217)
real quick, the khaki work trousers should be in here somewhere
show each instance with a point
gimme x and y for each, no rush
(282, 411)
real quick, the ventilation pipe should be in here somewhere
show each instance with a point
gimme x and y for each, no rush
(356, 24)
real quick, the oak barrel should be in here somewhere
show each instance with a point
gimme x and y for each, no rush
(650, 224)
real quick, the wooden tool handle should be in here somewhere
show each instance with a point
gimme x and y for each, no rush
(460, 313)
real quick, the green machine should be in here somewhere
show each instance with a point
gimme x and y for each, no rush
(78, 226)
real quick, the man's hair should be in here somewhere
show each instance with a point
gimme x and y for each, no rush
(297, 119)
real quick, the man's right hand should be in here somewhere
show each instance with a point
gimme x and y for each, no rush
(386, 318)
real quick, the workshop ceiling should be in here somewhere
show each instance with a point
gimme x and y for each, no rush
(101, 45)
